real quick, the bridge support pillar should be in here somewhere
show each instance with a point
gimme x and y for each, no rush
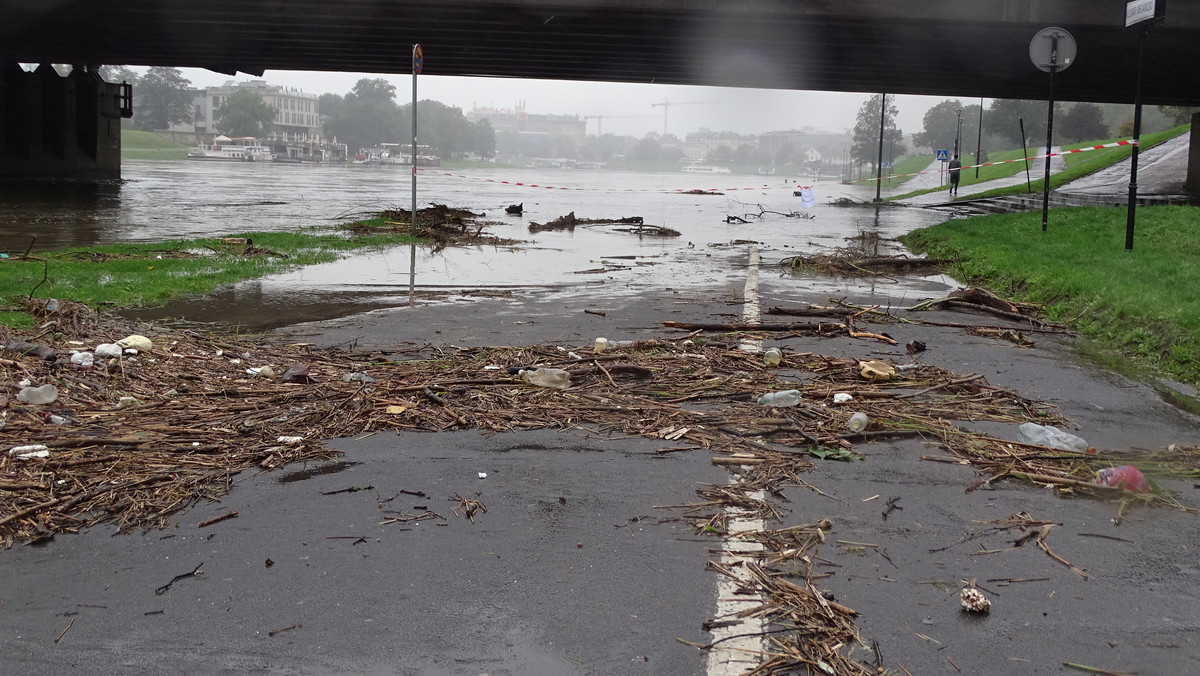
(1193, 171)
(54, 127)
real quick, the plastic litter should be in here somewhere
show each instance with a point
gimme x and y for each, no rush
(780, 399)
(83, 358)
(601, 344)
(1126, 476)
(357, 376)
(108, 350)
(38, 395)
(287, 440)
(298, 373)
(556, 379)
(56, 419)
(857, 422)
(772, 356)
(906, 368)
(876, 370)
(842, 398)
(52, 305)
(1048, 435)
(29, 452)
(136, 342)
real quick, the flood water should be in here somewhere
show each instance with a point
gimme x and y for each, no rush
(159, 201)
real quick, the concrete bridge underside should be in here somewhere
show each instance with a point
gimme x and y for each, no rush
(959, 48)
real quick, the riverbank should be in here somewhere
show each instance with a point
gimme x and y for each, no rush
(1139, 310)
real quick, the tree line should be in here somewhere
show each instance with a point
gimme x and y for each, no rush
(365, 116)
(953, 126)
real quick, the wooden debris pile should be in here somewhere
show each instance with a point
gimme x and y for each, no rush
(446, 226)
(856, 263)
(636, 225)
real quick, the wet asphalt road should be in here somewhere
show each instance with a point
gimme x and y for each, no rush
(564, 574)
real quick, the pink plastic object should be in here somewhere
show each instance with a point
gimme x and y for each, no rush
(1125, 476)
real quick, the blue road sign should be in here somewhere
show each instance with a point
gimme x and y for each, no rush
(943, 155)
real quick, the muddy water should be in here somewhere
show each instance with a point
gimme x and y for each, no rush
(165, 200)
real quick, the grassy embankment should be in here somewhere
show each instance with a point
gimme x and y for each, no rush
(1077, 165)
(1139, 311)
(150, 274)
(144, 145)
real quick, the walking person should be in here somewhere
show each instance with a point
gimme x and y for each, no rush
(955, 170)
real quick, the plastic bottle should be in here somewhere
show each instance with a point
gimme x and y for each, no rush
(1048, 435)
(557, 379)
(857, 422)
(772, 357)
(38, 395)
(780, 399)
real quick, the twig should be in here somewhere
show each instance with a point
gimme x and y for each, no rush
(275, 632)
(65, 629)
(163, 589)
(217, 519)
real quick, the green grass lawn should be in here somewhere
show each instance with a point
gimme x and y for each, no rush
(144, 145)
(1141, 305)
(151, 274)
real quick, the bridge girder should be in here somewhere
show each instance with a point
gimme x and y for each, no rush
(953, 48)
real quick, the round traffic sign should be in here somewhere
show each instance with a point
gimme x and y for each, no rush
(418, 58)
(1052, 49)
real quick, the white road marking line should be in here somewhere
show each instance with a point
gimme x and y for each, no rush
(734, 656)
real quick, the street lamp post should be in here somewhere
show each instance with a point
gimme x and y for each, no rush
(957, 130)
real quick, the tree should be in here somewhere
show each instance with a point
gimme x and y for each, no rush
(163, 99)
(366, 116)
(1005, 116)
(865, 146)
(1178, 114)
(647, 149)
(941, 127)
(1084, 122)
(244, 113)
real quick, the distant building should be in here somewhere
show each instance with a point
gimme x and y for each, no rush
(808, 146)
(297, 114)
(520, 122)
(702, 145)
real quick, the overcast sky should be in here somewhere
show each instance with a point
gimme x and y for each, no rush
(627, 107)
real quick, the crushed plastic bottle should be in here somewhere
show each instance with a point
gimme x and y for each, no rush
(780, 399)
(1048, 435)
(108, 350)
(1126, 476)
(556, 379)
(857, 422)
(45, 394)
(772, 357)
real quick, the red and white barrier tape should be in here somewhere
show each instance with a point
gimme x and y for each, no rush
(523, 184)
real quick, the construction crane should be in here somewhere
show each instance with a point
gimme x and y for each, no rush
(666, 105)
(600, 120)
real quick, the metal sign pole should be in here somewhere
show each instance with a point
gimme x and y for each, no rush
(1049, 133)
(979, 139)
(418, 62)
(1143, 14)
(1052, 50)
(879, 163)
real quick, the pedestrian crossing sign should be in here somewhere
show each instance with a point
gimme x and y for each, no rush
(943, 156)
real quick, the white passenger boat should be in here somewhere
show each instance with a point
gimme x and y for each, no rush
(225, 149)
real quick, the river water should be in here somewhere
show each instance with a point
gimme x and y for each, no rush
(159, 201)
